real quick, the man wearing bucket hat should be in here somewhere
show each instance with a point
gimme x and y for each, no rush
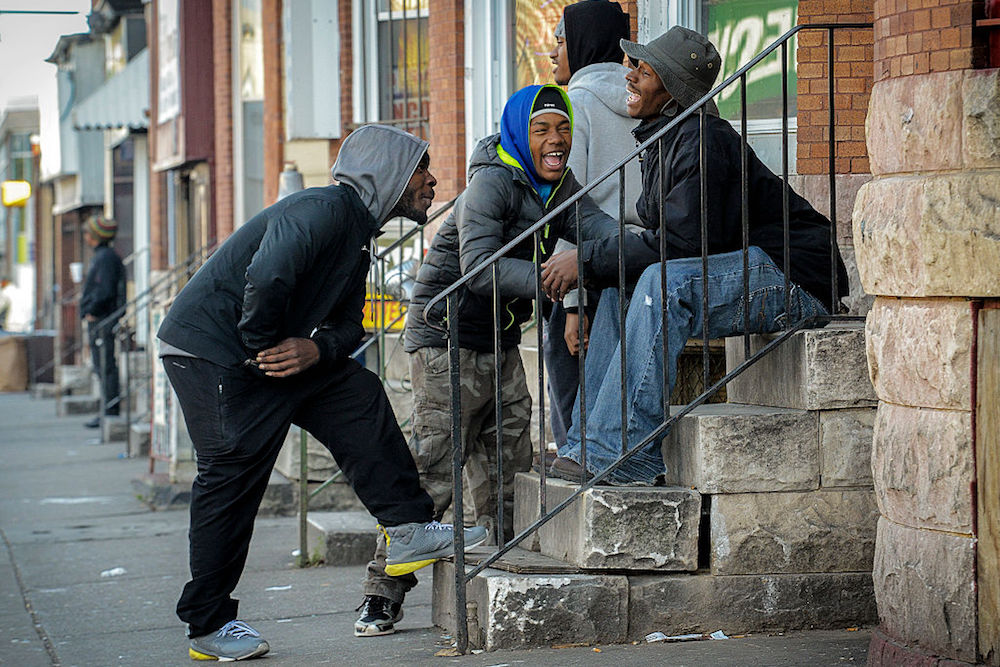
(103, 294)
(670, 74)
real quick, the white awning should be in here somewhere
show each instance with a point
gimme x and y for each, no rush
(122, 101)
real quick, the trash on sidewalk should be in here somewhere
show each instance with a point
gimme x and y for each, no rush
(279, 588)
(692, 637)
(113, 572)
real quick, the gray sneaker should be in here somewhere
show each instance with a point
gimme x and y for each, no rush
(233, 641)
(412, 546)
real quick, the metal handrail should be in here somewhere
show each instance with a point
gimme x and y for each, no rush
(450, 295)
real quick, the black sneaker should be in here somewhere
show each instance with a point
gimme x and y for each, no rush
(379, 616)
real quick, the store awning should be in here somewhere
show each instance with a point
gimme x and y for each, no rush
(122, 101)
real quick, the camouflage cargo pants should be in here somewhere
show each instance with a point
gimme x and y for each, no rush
(430, 443)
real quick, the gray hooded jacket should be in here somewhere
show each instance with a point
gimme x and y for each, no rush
(602, 135)
(298, 268)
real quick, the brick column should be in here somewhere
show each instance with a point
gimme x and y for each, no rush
(274, 127)
(446, 85)
(852, 51)
(222, 47)
(927, 235)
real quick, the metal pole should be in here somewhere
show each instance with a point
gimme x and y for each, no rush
(303, 559)
(458, 509)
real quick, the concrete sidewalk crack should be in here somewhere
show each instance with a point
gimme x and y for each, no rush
(39, 630)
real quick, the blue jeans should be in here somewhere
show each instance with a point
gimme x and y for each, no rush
(643, 385)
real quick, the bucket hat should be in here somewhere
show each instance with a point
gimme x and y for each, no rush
(686, 62)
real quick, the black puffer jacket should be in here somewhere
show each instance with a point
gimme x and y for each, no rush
(498, 204)
(809, 231)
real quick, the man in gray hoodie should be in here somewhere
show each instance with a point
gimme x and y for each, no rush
(588, 57)
(261, 338)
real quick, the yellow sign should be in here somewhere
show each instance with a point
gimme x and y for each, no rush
(382, 311)
(15, 193)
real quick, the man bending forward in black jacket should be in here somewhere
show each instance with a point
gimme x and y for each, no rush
(260, 339)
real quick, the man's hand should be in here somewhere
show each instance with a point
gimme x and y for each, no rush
(290, 356)
(559, 274)
(572, 332)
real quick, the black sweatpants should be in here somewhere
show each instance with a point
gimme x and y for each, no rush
(237, 421)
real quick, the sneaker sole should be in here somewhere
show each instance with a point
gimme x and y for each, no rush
(398, 569)
(195, 654)
(373, 630)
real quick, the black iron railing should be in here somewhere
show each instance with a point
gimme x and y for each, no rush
(451, 295)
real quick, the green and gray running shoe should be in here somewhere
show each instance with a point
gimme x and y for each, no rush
(233, 641)
(412, 546)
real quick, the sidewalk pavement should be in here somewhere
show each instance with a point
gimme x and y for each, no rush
(89, 576)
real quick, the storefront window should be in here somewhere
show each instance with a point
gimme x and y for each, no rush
(536, 22)
(741, 29)
(402, 63)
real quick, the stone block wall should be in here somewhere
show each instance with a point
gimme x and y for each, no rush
(927, 239)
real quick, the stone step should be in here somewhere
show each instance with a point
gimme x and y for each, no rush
(508, 610)
(77, 405)
(74, 379)
(44, 390)
(614, 527)
(737, 448)
(816, 369)
(159, 492)
(793, 532)
(733, 448)
(140, 438)
(115, 429)
(341, 538)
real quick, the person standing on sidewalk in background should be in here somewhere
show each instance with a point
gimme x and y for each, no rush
(103, 294)
(515, 179)
(588, 57)
(668, 75)
(261, 338)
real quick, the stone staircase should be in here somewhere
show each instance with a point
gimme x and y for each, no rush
(768, 522)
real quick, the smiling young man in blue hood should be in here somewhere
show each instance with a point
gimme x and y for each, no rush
(515, 178)
(261, 338)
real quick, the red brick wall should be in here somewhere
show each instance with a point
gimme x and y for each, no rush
(274, 131)
(222, 21)
(446, 83)
(346, 76)
(928, 36)
(852, 71)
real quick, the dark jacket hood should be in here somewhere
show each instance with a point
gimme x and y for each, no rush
(377, 161)
(594, 30)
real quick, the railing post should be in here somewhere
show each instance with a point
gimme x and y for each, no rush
(303, 559)
(745, 214)
(457, 460)
(498, 403)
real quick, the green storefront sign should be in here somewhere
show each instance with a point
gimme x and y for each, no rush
(741, 29)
